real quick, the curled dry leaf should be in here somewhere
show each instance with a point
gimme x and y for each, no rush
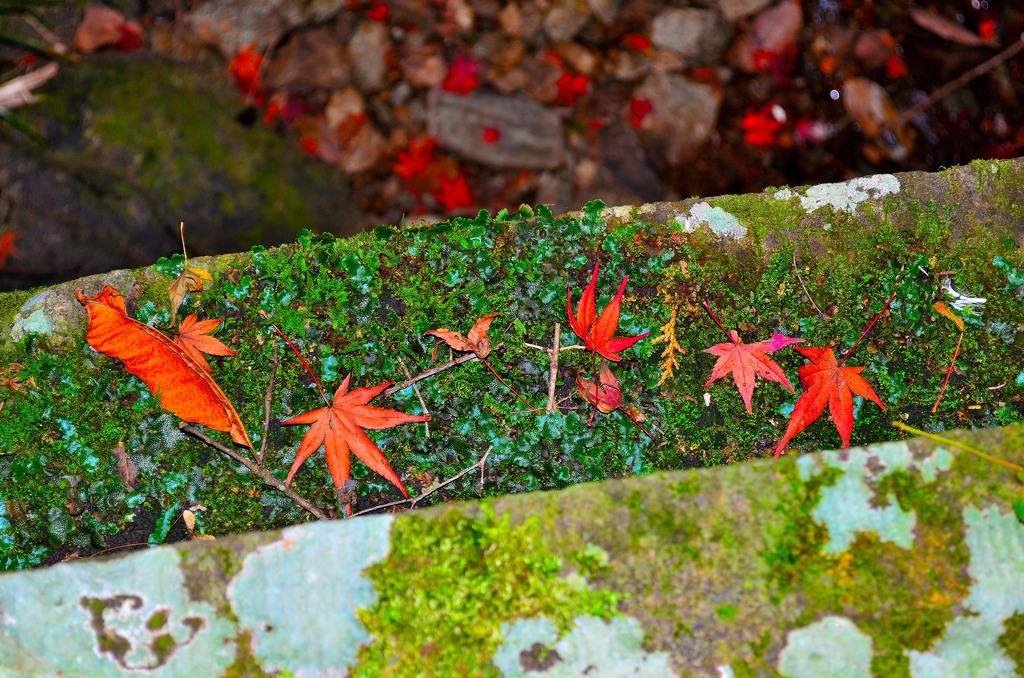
(190, 280)
(193, 338)
(181, 384)
(478, 342)
(605, 395)
(125, 467)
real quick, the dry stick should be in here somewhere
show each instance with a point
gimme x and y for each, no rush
(967, 448)
(412, 501)
(262, 473)
(797, 271)
(268, 400)
(416, 390)
(553, 371)
(957, 83)
(431, 372)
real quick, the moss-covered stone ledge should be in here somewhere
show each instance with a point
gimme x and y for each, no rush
(899, 559)
(816, 262)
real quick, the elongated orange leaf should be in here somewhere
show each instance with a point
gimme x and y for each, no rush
(180, 383)
(195, 340)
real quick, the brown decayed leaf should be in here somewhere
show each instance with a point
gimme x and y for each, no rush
(605, 394)
(339, 429)
(190, 280)
(125, 467)
(478, 342)
(180, 383)
(193, 338)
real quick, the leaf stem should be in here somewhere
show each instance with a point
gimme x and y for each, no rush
(301, 359)
(707, 307)
(865, 332)
(967, 448)
(952, 363)
(268, 400)
(509, 387)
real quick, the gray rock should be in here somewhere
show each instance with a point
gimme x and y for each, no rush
(737, 9)
(684, 114)
(605, 10)
(367, 51)
(231, 25)
(697, 34)
(531, 135)
(566, 19)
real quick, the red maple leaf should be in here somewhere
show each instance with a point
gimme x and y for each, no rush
(827, 382)
(339, 428)
(747, 361)
(760, 127)
(244, 69)
(570, 87)
(636, 42)
(454, 193)
(491, 134)
(194, 339)
(413, 161)
(462, 75)
(638, 110)
(597, 331)
(7, 247)
(377, 11)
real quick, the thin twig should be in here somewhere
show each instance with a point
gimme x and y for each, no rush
(434, 370)
(955, 84)
(268, 401)
(416, 390)
(966, 448)
(262, 473)
(868, 329)
(798, 277)
(553, 371)
(412, 501)
(509, 386)
(571, 347)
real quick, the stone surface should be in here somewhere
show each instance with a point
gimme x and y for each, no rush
(531, 134)
(696, 34)
(701, 545)
(310, 59)
(683, 116)
(732, 10)
(232, 25)
(367, 52)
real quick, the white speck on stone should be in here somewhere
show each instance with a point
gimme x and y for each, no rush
(707, 399)
(717, 219)
(831, 648)
(847, 195)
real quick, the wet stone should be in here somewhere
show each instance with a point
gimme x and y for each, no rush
(367, 51)
(683, 116)
(310, 60)
(697, 34)
(232, 25)
(531, 135)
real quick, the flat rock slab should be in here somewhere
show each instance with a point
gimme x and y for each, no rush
(896, 559)
(530, 135)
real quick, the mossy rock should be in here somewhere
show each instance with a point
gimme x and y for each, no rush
(818, 263)
(134, 146)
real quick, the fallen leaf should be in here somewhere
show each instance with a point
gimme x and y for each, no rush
(747, 361)
(761, 127)
(182, 385)
(597, 331)
(193, 338)
(104, 27)
(244, 69)
(570, 87)
(339, 429)
(190, 280)
(413, 161)
(125, 467)
(605, 395)
(462, 75)
(478, 342)
(18, 91)
(7, 247)
(638, 110)
(826, 382)
(947, 29)
(454, 193)
(941, 308)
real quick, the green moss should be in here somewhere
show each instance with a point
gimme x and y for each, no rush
(448, 585)
(1012, 640)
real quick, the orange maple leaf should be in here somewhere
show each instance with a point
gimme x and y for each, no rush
(193, 338)
(339, 429)
(746, 361)
(182, 385)
(826, 381)
(478, 342)
(597, 331)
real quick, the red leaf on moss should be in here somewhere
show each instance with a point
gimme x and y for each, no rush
(827, 382)
(605, 394)
(478, 342)
(747, 361)
(454, 193)
(571, 87)
(597, 331)
(339, 429)
(462, 75)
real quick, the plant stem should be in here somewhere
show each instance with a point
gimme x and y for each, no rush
(967, 448)
(509, 387)
(945, 381)
(707, 307)
(260, 472)
(416, 390)
(301, 359)
(865, 332)
(553, 371)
